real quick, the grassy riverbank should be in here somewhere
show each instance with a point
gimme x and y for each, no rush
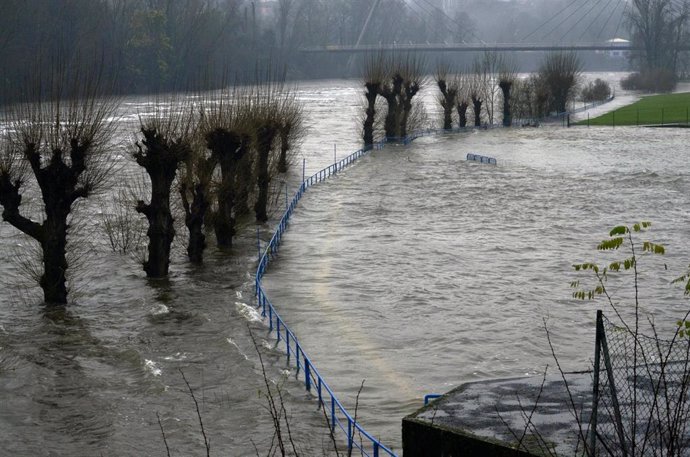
(651, 110)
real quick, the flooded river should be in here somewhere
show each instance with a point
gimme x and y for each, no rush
(414, 270)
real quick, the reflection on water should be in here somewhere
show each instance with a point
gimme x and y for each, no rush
(414, 270)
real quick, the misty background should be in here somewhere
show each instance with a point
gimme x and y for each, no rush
(149, 46)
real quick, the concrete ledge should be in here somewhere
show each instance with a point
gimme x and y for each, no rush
(487, 418)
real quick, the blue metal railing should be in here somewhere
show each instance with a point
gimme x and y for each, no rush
(357, 438)
(481, 159)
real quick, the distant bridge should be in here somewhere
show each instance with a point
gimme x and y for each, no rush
(462, 47)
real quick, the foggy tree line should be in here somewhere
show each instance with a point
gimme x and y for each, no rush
(163, 45)
(215, 155)
(658, 28)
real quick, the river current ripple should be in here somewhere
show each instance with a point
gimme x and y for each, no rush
(414, 270)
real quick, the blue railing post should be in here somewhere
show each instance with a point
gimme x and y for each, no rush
(318, 387)
(297, 351)
(270, 319)
(278, 328)
(332, 411)
(307, 374)
(349, 433)
(376, 449)
(287, 344)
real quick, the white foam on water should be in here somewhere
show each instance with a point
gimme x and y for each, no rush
(152, 367)
(248, 312)
(160, 309)
(232, 342)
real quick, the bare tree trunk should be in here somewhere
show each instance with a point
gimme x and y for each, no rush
(370, 94)
(243, 185)
(54, 246)
(507, 115)
(227, 148)
(284, 148)
(160, 160)
(448, 96)
(462, 114)
(392, 96)
(410, 89)
(477, 108)
(195, 214)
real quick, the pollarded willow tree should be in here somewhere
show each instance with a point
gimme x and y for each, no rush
(166, 143)
(227, 131)
(449, 93)
(397, 80)
(195, 194)
(57, 143)
(506, 79)
(560, 73)
(373, 77)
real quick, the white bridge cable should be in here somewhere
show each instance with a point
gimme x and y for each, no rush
(577, 10)
(600, 13)
(547, 21)
(596, 3)
(603, 27)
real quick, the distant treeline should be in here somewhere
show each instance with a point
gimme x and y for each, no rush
(148, 46)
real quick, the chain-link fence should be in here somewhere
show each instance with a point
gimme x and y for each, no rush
(640, 395)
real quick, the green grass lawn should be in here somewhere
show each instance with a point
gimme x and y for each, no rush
(649, 110)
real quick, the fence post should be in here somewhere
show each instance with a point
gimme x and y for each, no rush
(349, 434)
(332, 412)
(376, 449)
(595, 385)
(614, 394)
(287, 344)
(307, 373)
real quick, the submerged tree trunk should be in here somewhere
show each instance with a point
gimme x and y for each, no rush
(505, 87)
(227, 148)
(477, 108)
(392, 95)
(284, 148)
(243, 185)
(448, 99)
(160, 160)
(195, 214)
(265, 136)
(410, 89)
(54, 246)
(462, 114)
(370, 94)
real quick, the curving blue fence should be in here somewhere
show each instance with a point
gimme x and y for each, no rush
(340, 419)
